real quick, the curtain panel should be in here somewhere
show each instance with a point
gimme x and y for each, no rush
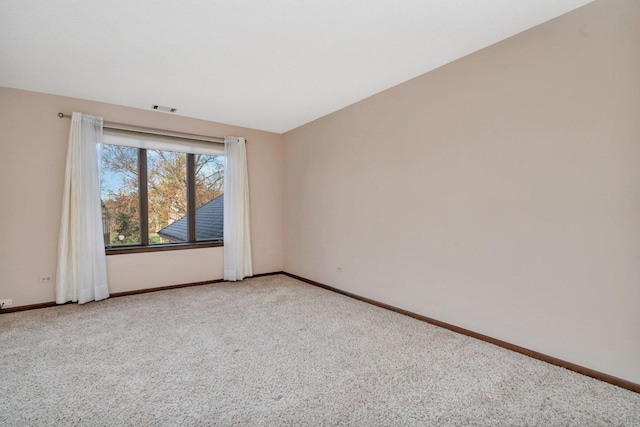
(237, 238)
(82, 269)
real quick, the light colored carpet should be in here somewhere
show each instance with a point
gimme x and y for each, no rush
(275, 351)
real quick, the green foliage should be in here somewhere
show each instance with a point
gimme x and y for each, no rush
(155, 238)
(127, 227)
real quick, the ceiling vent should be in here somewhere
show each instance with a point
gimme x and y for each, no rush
(165, 109)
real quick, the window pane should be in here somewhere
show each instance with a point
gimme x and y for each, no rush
(119, 194)
(167, 186)
(209, 189)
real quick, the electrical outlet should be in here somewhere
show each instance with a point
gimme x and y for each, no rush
(46, 278)
(5, 302)
(339, 269)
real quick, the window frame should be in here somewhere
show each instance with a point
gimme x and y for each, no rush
(143, 206)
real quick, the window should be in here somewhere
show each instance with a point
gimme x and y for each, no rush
(160, 193)
(120, 195)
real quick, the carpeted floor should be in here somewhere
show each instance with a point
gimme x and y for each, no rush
(275, 351)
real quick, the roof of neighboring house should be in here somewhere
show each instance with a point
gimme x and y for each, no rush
(209, 223)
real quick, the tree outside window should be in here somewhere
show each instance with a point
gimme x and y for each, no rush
(167, 188)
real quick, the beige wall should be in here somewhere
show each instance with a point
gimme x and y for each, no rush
(32, 151)
(499, 193)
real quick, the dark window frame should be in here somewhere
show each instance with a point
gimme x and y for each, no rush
(143, 203)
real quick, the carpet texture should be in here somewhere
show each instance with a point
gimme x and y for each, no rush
(275, 351)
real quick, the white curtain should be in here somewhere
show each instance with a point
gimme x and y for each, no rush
(237, 239)
(82, 269)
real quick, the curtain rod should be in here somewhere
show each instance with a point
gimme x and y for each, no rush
(153, 131)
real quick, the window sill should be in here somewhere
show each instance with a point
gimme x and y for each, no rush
(159, 248)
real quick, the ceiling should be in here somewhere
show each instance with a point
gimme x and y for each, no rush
(266, 64)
